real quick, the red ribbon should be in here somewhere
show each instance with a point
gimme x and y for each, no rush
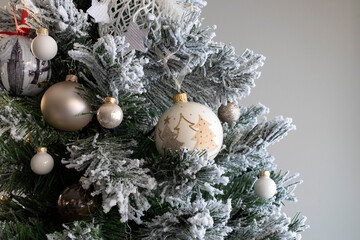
(22, 31)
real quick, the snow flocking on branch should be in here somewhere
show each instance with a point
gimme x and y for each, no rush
(120, 179)
(200, 219)
(189, 173)
(112, 70)
(59, 15)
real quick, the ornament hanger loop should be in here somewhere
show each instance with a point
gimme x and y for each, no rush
(182, 74)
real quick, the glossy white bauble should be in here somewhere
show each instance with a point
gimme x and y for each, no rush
(42, 163)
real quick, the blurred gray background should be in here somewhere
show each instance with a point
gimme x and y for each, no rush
(311, 74)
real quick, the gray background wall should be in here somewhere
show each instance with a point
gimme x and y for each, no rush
(311, 74)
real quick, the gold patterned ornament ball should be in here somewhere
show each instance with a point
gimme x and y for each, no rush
(191, 125)
(229, 113)
(76, 203)
(64, 108)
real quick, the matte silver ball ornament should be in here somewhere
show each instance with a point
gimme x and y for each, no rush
(42, 163)
(43, 46)
(63, 107)
(229, 113)
(110, 114)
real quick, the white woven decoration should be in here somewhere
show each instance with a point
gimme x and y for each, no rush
(99, 11)
(121, 12)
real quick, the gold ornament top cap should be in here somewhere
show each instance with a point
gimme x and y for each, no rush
(264, 173)
(180, 97)
(82, 179)
(42, 31)
(71, 78)
(41, 149)
(110, 100)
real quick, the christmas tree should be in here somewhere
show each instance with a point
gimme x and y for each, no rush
(92, 180)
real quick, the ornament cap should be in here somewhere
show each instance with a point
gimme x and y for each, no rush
(180, 97)
(42, 31)
(4, 198)
(110, 100)
(71, 78)
(265, 173)
(82, 179)
(41, 149)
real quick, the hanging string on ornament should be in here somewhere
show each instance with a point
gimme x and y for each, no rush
(23, 29)
(182, 74)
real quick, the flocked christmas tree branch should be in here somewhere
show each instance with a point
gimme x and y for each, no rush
(143, 194)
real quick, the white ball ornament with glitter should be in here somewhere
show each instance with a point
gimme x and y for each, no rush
(265, 187)
(110, 114)
(43, 46)
(42, 163)
(188, 125)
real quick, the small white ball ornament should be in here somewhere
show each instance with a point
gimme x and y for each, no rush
(110, 114)
(42, 163)
(265, 187)
(43, 46)
(188, 124)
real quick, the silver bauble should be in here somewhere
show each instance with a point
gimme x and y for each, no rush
(42, 163)
(21, 74)
(229, 113)
(110, 114)
(63, 107)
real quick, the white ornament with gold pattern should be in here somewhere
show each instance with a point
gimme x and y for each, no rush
(42, 163)
(43, 46)
(110, 114)
(188, 124)
(265, 187)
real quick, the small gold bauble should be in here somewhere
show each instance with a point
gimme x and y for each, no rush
(229, 113)
(110, 115)
(63, 107)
